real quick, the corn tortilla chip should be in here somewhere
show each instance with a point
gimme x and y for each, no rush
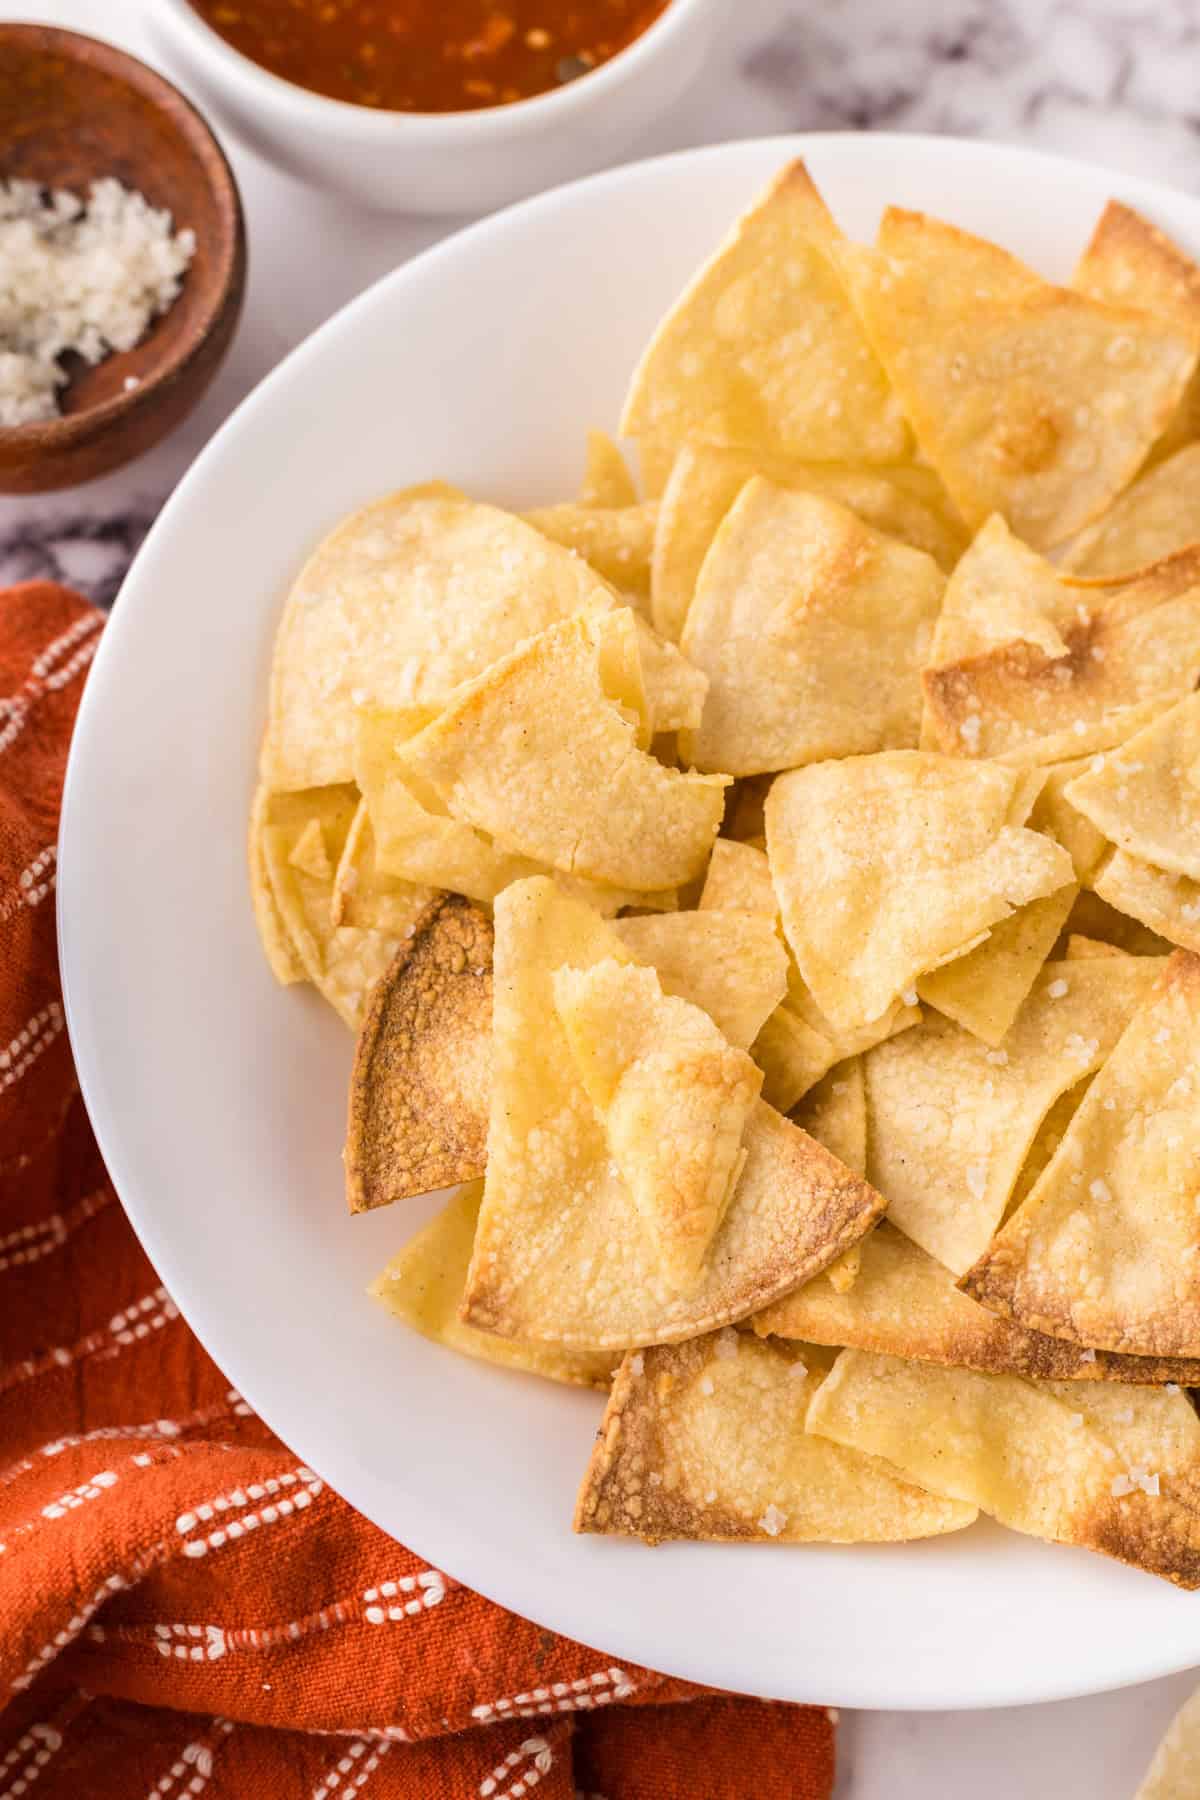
(1029, 400)
(561, 1253)
(1166, 905)
(739, 880)
(616, 540)
(706, 1440)
(763, 349)
(281, 954)
(840, 833)
(1002, 592)
(423, 1286)
(421, 1083)
(985, 990)
(675, 688)
(812, 630)
(1054, 814)
(1053, 1128)
(835, 1113)
(1145, 795)
(1153, 518)
(950, 1121)
(674, 1097)
(1175, 1769)
(582, 799)
(364, 895)
(733, 965)
(793, 1056)
(606, 478)
(1106, 1249)
(1093, 917)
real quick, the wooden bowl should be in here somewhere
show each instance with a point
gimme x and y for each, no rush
(71, 111)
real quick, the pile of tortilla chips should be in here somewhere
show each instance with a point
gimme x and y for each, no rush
(708, 872)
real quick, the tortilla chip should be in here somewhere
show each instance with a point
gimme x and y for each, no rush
(706, 1440)
(1130, 262)
(1145, 796)
(835, 1113)
(812, 630)
(793, 1056)
(364, 895)
(302, 847)
(733, 965)
(1029, 400)
(408, 598)
(763, 350)
(985, 990)
(1054, 814)
(606, 478)
(419, 1091)
(1095, 918)
(1175, 1770)
(616, 540)
(535, 754)
(674, 1097)
(675, 688)
(909, 504)
(1155, 517)
(1086, 949)
(1167, 905)
(841, 834)
(905, 1304)
(951, 1121)
(1106, 1249)
(423, 1286)
(1068, 1465)
(1053, 1128)
(1002, 592)
(739, 880)
(281, 954)
(561, 1253)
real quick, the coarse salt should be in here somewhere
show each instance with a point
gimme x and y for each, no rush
(773, 1521)
(1057, 989)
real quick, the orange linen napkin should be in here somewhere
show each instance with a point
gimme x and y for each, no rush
(186, 1609)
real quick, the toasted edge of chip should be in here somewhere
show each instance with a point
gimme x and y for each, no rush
(419, 1090)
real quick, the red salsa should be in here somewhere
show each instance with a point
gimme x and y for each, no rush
(430, 56)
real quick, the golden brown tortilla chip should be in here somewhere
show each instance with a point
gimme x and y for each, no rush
(561, 1254)
(1166, 905)
(951, 1121)
(733, 965)
(616, 540)
(1113, 1470)
(1153, 518)
(535, 754)
(1054, 814)
(763, 350)
(888, 865)
(706, 1440)
(985, 990)
(364, 895)
(424, 1284)
(606, 478)
(1106, 1249)
(812, 630)
(1145, 796)
(1029, 400)
(421, 1084)
(1175, 1771)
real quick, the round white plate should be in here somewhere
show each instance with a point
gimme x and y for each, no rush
(218, 1098)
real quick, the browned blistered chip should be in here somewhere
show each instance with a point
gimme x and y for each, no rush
(1105, 1251)
(1113, 1469)
(561, 1253)
(706, 1440)
(1029, 400)
(763, 349)
(812, 630)
(887, 866)
(536, 754)
(905, 1303)
(424, 1284)
(420, 1088)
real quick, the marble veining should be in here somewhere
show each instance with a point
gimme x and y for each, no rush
(86, 550)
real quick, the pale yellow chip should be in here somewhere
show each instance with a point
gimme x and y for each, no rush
(1002, 592)
(1130, 262)
(617, 541)
(733, 965)
(1053, 1128)
(812, 630)
(1029, 400)
(1092, 916)
(888, 865)
(1145, 796)
(1174, 1772)
(423, 1286)
(739, 880)
(763, 349)
(951, 1121)
(302, 847)
(1106, 1249)
(907, 503)
(1167, 905)
(281, 953)
(1111, 1470)
(706, 1440)
(675, 688)
(905, 1303)
(1054, 814)
(985, 990)
(1158, 515)
(561, 1253)
(793, 1056)
(416, 593)
(535, 754)
(655, 462)
(674, 1097)
(364, 895)
(835, 1113)
(606, 478)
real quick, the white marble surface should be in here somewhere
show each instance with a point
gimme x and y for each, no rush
(1113, 80)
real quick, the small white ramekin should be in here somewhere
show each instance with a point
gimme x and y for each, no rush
(440, 162)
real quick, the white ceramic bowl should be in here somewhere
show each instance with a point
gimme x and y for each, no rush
(440, 162)
(219, 1098)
